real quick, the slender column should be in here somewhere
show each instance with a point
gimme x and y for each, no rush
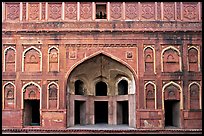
(21, 11)
(78, 11)
(108, 11)
(3, 11)
(93, 10)
(123, 11)
(63, 5)
(26, 10)
(162, 16)
(46, 11)
(40, 11)
(155, 10)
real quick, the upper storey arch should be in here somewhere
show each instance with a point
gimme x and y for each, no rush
(32, 60)
(193, 59)
(171, 60)
(9, 59)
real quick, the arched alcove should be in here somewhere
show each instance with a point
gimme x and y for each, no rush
(99, 77)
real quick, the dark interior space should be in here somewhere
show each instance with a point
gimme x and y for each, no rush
(100, 11)
(101, 112)
(123, 87)
(122, 112)
(79, 87)
(32, 112)
(101, 89)
(171, 113)
(80, 113)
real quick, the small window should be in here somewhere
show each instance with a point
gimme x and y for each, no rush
(101, 11)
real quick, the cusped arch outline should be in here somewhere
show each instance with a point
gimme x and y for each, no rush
(53, 47)
(175, 49)
(5, 51)
(155, 93)
(49, 93)
(23, 90)
(3, 94)
(180, 91)
(198, 50)
(149, 46)
(26, 50)
(200, 101)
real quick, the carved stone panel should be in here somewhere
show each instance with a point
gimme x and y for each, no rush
(131, 11)
(190, 11)
(85, 11)
(54, 11)
(24, 11)
(70, 11)
(168, 11)
(34, 11)
(13, 11)
(147, 11)
(115, 11)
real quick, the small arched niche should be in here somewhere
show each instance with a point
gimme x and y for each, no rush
(79, 87)
(123, 87)
(101, 89)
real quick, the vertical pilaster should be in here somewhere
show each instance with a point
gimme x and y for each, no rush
(46, 11)
(108, 11)
(78, 11)
(40, 11)
(123, 11)
(63, 5)
(162, 15)
(21, 11)
(93, 10)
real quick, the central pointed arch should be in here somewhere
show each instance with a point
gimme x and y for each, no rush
(90, 69)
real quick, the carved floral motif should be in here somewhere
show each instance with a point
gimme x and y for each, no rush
(55, 11)
(34, 11)
(169, 11)
(85, 10)
(13, 11)
(43, 11)
(148, 11)
(70, 10)
(131, 10)
(116, 10)
(190, 12)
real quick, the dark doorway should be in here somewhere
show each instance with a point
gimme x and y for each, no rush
(79, 87)
(80, 113)
(32, 112)
(101, 89)
(101, 112)
(172, 113)
(122, 112)
(123, 87)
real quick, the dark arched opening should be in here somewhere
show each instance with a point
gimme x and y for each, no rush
(79, 87)
(101, 89)
(123, 87)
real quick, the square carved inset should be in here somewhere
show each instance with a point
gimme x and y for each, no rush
(129, 55)
(72, 55)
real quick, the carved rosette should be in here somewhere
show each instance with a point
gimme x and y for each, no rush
(131, 10)
(71, 11)
(169, 11)
(13, 11)
(190, 11)
(34, 11)
(148, 11)
(55, 11)
(85, 10)
(116, 10)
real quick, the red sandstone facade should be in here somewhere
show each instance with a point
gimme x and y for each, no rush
(69, 63)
